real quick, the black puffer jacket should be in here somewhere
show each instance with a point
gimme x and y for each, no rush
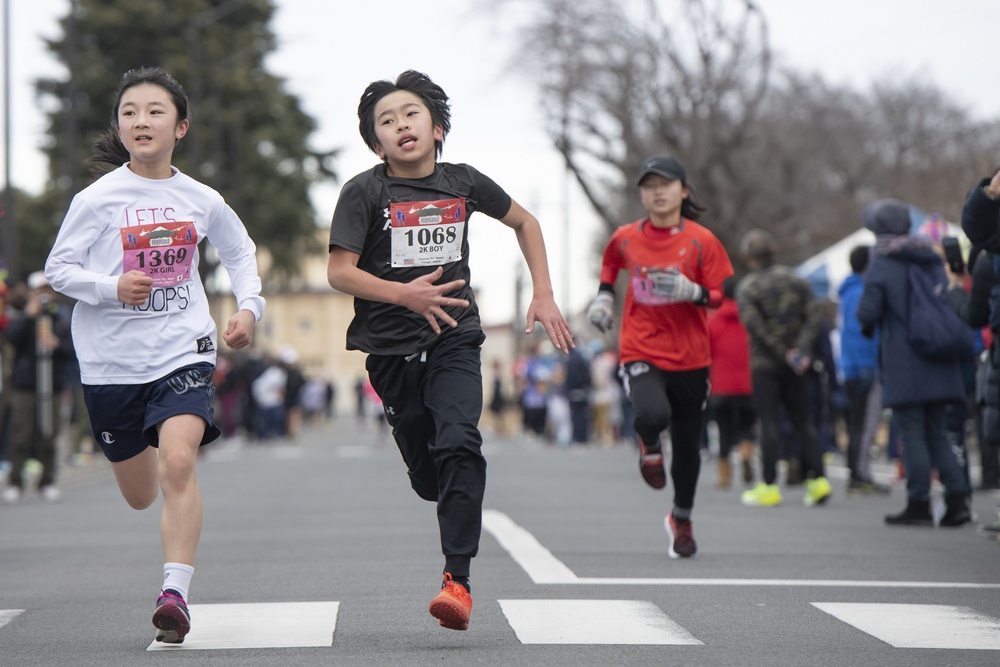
(21, 336)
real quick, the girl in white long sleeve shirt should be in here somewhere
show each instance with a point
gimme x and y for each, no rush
(128, 253)
(132, 344)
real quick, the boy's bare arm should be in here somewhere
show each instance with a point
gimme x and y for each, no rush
(543, 307)
(420, 295)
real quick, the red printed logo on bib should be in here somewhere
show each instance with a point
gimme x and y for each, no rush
(427, 233)
(163, 251)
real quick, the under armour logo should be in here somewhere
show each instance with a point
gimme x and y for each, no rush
(638, 369)
(107, 437)
(389, 410)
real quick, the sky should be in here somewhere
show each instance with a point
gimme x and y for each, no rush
(329, 51)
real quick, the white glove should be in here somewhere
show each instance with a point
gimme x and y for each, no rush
(675, 287)
(601, 311)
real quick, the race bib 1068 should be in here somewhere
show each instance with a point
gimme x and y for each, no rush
(427, 233)
(163, 251)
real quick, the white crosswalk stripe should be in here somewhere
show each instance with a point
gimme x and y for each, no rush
(919, 625)
(574, 622)
(7, 615)
(258, 625)
(592, 622)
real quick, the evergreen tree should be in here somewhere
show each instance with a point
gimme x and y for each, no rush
(248, 137)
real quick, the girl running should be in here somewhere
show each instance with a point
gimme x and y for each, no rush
(128, 252)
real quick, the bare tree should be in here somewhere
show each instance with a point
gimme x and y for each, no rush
(764, 146)
(621, 81)
(929, 149)
(822, 153)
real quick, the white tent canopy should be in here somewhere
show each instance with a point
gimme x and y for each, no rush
(827, 269)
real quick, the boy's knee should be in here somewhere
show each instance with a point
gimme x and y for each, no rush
(425, 488)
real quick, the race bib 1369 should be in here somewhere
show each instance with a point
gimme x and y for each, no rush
(163, 251)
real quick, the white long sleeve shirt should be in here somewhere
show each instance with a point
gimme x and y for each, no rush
(122, 220)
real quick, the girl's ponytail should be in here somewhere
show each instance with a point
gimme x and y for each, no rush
(107, 149)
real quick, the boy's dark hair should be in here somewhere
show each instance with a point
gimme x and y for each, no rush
(759, 247)
(431, 94)
(108, 148)
(859, 258)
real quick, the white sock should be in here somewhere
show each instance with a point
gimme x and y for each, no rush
(177, 576)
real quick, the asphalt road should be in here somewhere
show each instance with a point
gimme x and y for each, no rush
(318, 553)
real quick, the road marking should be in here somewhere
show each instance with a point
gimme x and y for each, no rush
(537, 561)
(258, 625)
(8, 615)
(593, 622)
(919, 625)
(544, 568)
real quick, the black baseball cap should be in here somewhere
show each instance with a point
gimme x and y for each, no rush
(666, 166)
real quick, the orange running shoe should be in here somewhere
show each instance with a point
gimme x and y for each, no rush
(452, 606)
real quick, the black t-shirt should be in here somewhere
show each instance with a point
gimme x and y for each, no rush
(404, 228)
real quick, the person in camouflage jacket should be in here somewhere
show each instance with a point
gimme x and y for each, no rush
(782, 318)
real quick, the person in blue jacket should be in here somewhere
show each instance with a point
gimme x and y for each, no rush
(858, 364)
(917, 388)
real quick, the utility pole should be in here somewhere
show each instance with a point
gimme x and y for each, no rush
(567, 234)
(71, 125)
(10, 250)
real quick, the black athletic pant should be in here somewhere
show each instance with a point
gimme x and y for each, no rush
(857, 412)
(675, 400)
(433, 401)
(783, 387)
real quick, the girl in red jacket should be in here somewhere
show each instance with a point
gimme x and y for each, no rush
(731, 402)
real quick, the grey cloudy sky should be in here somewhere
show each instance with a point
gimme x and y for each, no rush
(329, 51)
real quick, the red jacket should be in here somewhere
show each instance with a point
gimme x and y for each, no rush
(730, 369)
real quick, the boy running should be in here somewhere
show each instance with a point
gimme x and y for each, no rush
(399, 244)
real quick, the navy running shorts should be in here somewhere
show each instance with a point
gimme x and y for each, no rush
(124, 417)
